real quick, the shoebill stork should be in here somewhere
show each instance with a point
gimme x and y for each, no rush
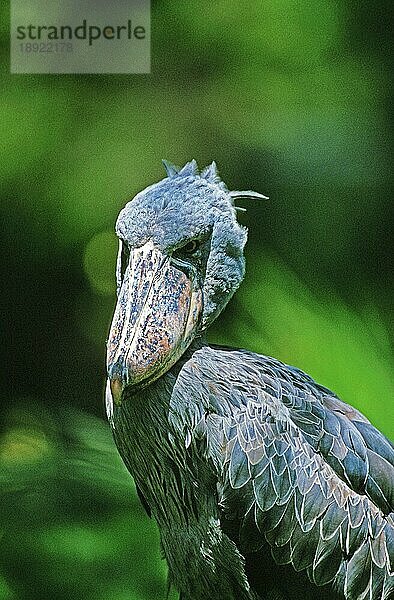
(264, 484)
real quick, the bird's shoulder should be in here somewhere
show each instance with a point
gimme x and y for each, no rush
(250, 372)
(235, 397)
(231, 379)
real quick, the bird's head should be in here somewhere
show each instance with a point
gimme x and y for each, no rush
(180, 261)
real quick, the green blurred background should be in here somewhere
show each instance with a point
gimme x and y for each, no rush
(291, 99)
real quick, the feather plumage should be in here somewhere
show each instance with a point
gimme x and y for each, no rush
(263, 483)
(319, 490)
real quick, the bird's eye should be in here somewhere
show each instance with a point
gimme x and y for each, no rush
(190, 247)
(187, 252)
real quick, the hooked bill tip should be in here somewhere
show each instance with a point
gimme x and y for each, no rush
(116, 390)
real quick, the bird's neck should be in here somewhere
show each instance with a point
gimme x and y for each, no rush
(142, 434)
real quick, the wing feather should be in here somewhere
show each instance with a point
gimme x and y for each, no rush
(296, 467)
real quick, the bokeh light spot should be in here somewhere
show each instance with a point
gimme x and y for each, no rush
(23, 445)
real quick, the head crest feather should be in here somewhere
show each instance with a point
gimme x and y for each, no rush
(171, 169)
(190, 168)
(247, 194)
(210, 173)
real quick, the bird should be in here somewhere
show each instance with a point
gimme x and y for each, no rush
(263, 483)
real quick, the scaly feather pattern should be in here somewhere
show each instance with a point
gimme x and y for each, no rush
(296, 467)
